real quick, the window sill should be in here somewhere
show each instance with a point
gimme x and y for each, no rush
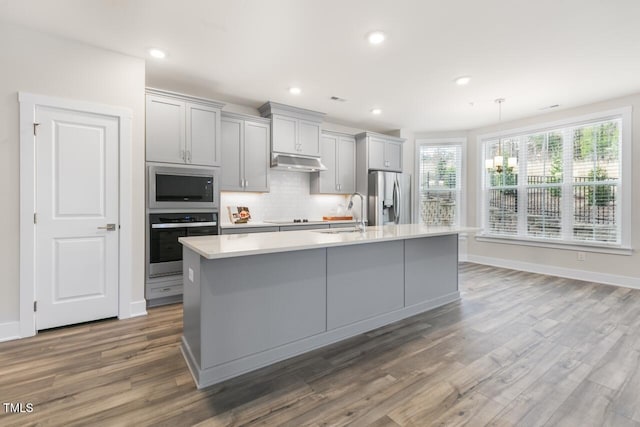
(614, 250)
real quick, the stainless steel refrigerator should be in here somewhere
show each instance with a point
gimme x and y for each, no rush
(389, 198)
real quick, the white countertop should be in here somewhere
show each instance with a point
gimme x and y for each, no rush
(235, 245)
(283, 223)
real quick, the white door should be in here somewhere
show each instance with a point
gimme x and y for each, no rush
(77, 217)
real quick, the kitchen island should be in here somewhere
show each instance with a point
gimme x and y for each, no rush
(251, 300)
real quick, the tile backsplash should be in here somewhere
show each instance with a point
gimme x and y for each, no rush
(289, 198)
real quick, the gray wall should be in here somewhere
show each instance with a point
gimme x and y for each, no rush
(43, 64)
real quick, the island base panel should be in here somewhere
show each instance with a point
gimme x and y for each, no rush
(364, 283)
(245, 313)
(430, 268)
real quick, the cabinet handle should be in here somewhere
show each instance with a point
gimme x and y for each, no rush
(189, 156)
(246, 183)
(182, 154)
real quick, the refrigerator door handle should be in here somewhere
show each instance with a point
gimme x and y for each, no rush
(397, 202)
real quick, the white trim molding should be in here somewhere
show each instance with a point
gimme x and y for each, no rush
(569, 273)
(434, 141)
(28, 104)
(9, 331)
(625, 222)
(137, 308)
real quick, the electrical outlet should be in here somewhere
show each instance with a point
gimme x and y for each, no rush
(582, 256)
(191, 274)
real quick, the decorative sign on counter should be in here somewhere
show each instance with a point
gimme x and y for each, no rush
(239, 214)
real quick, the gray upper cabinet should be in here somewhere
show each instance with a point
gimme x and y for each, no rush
(380, 152)
(203, 135)
(293, 130)
(256, 156)
(245, 153)
(338, 154)
(285, 134)
(182, 129)
(309, 138)
(165, 129)
(231, 176)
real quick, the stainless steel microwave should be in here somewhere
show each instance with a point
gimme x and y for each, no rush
(183, 187)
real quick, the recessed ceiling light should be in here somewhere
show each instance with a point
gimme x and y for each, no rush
(464, 80)
(295, 90)
(376, 37)
(157, 53)
(376, 111)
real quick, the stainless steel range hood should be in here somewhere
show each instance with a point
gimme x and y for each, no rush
(293, 163)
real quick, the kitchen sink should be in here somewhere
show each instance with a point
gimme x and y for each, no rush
(338, 230)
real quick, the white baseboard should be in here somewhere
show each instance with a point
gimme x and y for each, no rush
(569, 273)
(139, 308)
(9, 331)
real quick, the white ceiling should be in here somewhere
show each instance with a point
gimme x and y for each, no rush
(534, 53)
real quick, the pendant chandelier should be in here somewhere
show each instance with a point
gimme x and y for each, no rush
(497, 163)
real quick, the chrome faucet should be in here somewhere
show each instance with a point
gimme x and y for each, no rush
(360, 225)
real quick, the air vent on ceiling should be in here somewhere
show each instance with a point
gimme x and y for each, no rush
(337, 98)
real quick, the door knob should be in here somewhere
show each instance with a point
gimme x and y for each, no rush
(108, 227)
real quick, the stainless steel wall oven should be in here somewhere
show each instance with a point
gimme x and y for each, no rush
(165, 252)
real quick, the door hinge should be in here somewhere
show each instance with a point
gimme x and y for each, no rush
(35, 218)
(35, 306)
(35, 126)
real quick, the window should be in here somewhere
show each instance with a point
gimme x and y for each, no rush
(560, 183)
(439, 183)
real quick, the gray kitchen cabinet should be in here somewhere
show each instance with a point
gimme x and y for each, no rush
(309, 138)
(338, 154)
(182, 129)
(380, 152)
(364, 283)
(203, 135)
(303, 227)
(343, 224)
(293, 130)
(285, 131)
(231, 176)
(245, 230)
(245, 153)
(257, 308)
(165, 123)
(256, 156)
(430, 268)
(376, 151)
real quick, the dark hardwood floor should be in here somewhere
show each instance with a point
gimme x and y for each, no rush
(518, 349)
